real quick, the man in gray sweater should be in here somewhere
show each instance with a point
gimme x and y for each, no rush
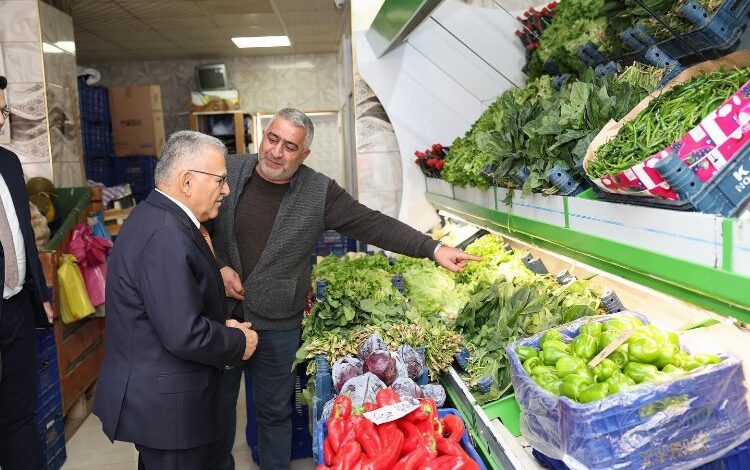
(264, 236)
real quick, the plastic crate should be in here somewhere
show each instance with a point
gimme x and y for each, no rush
(322, 432)
(99, 168)
(93, 102)
(301, 437)
(97, 139)
(49, 376)
(638, 428)
(506, 410)
(333, 243)
(136, 171)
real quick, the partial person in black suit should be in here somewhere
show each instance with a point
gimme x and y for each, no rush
(24, 305)
(166, 343)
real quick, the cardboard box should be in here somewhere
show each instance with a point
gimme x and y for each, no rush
(137, 120)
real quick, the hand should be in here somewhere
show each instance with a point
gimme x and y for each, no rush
(49, 312)
(453, 259)
(251, 337)
(232, 283)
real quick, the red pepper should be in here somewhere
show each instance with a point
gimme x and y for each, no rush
(386, 396)
(412, 436)
(336, 429)
(350, 426)
(413, 460)
(450, 462)
(448, 447)
(368, 437)
(453, 426)
(328, 452)
(322, 467)
(393, 441)
(349, 455)
(370, 407)
(342, 407)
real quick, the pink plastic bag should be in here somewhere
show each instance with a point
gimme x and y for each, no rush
(91, 254)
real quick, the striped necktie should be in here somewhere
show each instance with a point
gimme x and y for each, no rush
(9, 249)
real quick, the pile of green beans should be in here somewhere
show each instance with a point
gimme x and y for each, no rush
(667, 119)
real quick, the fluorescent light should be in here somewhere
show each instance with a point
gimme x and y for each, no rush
(261, 41)
(50, 49)
(67, 46)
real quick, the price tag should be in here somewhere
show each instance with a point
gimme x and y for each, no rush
(616, 343)
(394, 412)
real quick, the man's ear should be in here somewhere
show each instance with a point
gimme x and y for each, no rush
(305, 154)
(186, 183)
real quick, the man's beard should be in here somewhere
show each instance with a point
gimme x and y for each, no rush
(280, 174)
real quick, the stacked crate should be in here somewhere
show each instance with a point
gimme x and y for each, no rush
(49, 417)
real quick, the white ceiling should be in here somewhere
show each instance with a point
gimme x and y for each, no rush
(124, 30)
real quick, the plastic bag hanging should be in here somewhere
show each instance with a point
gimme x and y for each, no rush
(74, 298)
(91, 254)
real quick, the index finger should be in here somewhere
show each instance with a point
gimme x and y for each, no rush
(467, 256)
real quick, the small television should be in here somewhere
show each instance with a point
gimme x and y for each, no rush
(212, 77)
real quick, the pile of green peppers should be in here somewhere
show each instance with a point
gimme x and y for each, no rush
(649, 355)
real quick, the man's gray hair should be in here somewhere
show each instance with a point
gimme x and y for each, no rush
(297, 118)
(183, 146)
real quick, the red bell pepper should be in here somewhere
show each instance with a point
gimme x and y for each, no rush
(413, 460)
(450, 462)
(412, 436)
(336, 429)
(370, 407)
(349, 433)
(392, 440)
(342, 407)
(348, 456)
(368, 438)
(453, 428)
(386, 396)
(448, 447)
(328, 452)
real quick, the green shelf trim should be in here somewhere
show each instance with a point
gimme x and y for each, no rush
(717, 290)
(566, 212)
(727, 229)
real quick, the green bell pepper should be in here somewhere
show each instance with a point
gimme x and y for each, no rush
(526, 352)
(673, 370)
(640, 372)
(652, 332)
(704, 359)
(550, 334)
(567, 365)
(606, 337)
(674, 339)
(621, 324)
(556, 343)
(572, 385)
(619, 382)
(605, 369)
(584, 346)
(592, 329)
(551, 355)
(594, 393)
(667, 355)
(619, 357)
(529, 364)
(586, 374)
(545, 378)
(644, 349)
(542, 369)
(553, 387)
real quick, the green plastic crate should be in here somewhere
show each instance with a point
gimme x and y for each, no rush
(507, 410)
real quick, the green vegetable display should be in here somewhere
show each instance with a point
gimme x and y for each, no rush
(654, 357)
(666, 119)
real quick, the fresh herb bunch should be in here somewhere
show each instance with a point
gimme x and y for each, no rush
(666, 119)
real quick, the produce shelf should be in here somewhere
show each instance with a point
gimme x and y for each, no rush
(700, 258)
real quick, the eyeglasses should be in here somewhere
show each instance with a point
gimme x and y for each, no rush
(5, 110)
(222, 178)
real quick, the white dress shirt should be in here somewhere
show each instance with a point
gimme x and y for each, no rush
(15, 228)
(182, 206)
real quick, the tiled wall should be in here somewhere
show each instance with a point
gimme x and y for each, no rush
(62, 99)
(379, 175)
(21, 64)
(266, 84)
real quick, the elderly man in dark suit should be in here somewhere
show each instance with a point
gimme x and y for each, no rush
(24, 305)
(165, 341)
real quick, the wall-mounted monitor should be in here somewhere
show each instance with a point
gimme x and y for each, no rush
(212, 77)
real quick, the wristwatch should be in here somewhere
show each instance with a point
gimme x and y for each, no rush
(439, 245)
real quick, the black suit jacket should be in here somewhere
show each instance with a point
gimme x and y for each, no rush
(10, 168)
(165, 343)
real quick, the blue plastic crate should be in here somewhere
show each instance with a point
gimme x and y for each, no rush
(47, 405)
(97, 139)
(333, 243)
(322, 432)
(301, 437)
(99, 169)
(93, 102)
(52, 427)
(704, 411)
(136, 171)
(49, 376)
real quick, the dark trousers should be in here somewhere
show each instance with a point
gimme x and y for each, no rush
(272, 386)
(20, 442)
(196, 458)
